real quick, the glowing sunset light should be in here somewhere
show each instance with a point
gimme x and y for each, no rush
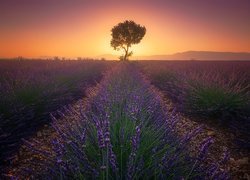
(83, 28)
(134, 89)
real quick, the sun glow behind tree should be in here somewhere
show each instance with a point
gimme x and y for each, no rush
(82, 28)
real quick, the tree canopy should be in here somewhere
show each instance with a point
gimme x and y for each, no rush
(126, 34)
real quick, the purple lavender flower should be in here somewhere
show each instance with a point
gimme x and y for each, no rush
(226, 157)
(204, 147)
(135, 144)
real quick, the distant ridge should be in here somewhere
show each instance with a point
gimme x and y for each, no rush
(187, 55)
(190, 55)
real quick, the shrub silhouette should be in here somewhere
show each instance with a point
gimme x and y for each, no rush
(124, 35)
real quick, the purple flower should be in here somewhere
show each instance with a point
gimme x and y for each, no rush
(204, 147)
(135, 144)
(226, 157)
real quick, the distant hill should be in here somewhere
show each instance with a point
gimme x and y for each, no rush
(187, 55)
(190, 55)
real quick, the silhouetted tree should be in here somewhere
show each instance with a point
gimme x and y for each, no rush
(124, 35)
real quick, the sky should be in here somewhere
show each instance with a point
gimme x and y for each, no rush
(82, 28)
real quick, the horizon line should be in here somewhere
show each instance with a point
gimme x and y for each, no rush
(100, 56)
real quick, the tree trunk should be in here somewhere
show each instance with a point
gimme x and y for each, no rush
(126, 53)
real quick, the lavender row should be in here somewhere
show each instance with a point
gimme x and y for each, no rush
(30, 90)
(123, 132)
(218, 89)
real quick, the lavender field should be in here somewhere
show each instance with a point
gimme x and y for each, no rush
(216, 91)
(215, 95)
(31, 90)
(125, 120)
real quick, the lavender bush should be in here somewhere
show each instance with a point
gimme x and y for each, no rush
(215, 89)
(30, 90)
(218, 91)
(124, 132)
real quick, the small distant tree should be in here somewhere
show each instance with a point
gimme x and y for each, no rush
(79, 58)
(124, 35)
(56, 58)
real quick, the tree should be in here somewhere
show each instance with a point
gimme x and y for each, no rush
(124, 35)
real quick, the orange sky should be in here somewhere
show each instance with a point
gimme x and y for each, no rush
(33, 28)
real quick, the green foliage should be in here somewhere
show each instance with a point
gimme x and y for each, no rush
(215, 101)
(28, 96)
(219, 90)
